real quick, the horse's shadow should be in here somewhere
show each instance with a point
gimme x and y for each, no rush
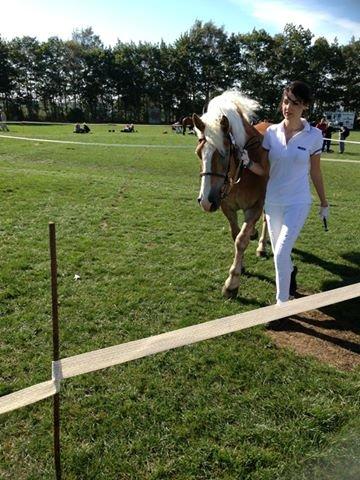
(247, 274)
(343, 316)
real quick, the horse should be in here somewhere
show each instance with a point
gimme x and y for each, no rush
(225, 136)
(187, 122)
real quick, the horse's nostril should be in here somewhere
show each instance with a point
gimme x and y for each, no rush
(213, 207)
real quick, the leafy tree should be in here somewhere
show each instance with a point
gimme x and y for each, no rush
(203, 66)
(24, 58)
(5, 72)
(87, 39)
(74, 69)
(325, 60)
(349, 77)
(51, 69)
(256, 70)
(128, 79)
(80, 79)
(293, 53)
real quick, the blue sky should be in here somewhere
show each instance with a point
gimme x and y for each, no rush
(154, 20)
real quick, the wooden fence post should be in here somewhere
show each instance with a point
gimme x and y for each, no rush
(56, 348)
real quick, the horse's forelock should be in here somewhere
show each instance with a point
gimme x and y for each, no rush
(234, 106)
(213, 130)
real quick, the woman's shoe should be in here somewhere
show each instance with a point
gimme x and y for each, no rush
(293, 284)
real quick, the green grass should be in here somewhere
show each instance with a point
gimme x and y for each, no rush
(151, 261)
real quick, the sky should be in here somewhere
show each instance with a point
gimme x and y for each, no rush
(156, 20)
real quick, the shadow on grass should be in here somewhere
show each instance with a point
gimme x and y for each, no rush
(259, 276)
(348, 274)
(337, 318)
(250, 301)
(293, 325)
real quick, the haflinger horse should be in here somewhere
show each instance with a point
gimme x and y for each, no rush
(225, 137)
(187, 122)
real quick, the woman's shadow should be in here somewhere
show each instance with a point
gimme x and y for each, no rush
(335, 318)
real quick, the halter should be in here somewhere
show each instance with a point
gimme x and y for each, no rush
(235, 151)
(228, 152)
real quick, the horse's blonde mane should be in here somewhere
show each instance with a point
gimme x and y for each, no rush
(232, 104)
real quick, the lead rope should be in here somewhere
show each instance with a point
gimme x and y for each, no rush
(252, 142)
(237, 152)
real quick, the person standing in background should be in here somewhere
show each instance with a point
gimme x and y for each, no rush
(3, 125)
(343, 133)
(328, 134)
(322, 126)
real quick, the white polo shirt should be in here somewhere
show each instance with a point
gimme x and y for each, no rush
(290, 163)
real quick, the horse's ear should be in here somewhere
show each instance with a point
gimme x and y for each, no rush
(199, 124)
(224, 123)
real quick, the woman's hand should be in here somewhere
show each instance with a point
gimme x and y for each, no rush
(324, 212)
(256, 168)
(245, 159)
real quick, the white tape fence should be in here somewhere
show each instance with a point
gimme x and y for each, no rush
(126, 352)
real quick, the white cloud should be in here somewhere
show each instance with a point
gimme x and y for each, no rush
(319, 22)
(41, 25)
(275, 14)
(279, 14)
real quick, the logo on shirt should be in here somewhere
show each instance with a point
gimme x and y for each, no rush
(301, 148)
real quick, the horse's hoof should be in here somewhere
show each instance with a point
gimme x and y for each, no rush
(261, 254)
(227, 293)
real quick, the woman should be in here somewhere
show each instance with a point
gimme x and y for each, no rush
(291, 151)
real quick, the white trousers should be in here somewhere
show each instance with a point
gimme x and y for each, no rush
(284, 225)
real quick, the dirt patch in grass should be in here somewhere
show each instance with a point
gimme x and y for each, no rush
(331, 334)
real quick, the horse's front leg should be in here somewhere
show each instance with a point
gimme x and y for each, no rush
(231, 214)
(232, 283)
(261, 249)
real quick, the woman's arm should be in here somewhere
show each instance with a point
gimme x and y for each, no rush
(317, 179)
(260, 168)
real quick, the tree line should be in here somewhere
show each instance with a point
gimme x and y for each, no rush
(82, 80)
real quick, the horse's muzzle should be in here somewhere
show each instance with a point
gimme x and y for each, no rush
(207, 205)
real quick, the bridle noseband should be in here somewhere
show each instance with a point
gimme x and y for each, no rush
(214, 174)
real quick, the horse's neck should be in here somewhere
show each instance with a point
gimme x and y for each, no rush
(250, 130)
(262, 127)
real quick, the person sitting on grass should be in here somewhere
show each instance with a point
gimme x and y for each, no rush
(129, 128)
(81, 129)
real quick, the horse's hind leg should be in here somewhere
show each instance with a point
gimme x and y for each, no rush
(261, 249)
(254, 234)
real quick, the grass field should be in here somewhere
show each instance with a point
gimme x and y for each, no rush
(150, 261)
